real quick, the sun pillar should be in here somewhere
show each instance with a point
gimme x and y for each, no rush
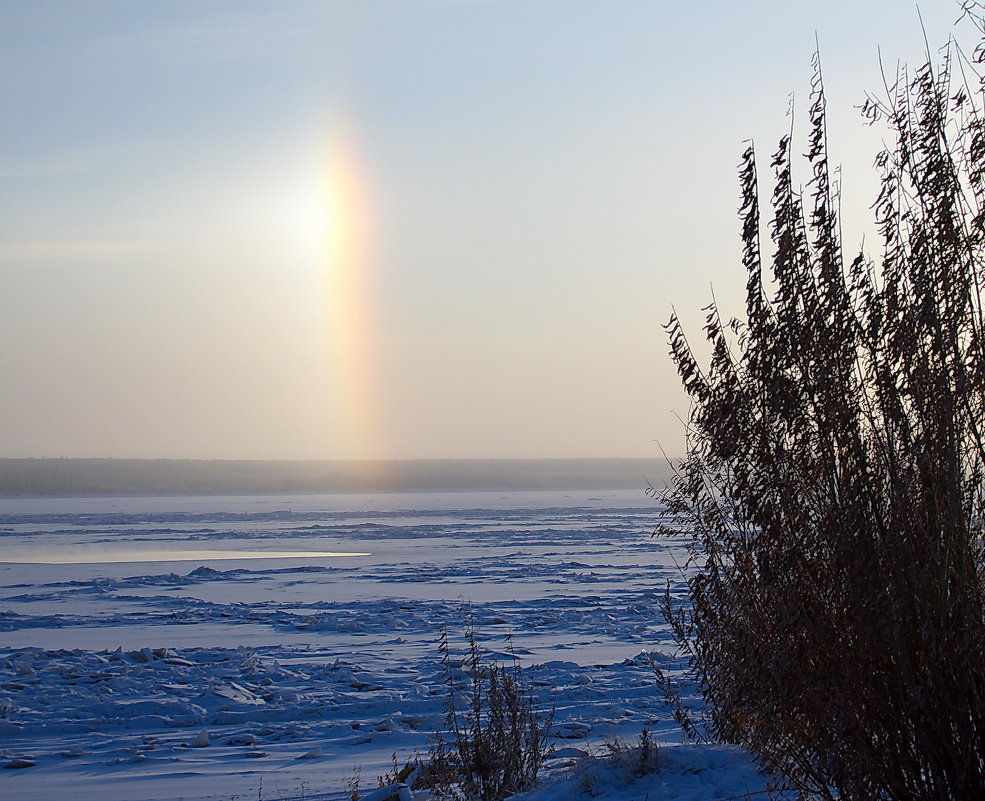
(350, 304)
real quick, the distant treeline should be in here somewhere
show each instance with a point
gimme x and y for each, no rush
(208, 477)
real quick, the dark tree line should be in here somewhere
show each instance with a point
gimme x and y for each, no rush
(835, 472)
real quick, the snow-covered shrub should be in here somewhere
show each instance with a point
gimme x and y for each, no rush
(835, 474)
(620, 764)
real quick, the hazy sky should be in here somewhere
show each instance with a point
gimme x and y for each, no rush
(403, 228)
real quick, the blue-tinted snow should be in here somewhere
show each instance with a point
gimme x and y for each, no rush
(110, 670)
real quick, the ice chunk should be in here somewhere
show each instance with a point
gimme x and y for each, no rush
(19, 762)
(235, 692)
(249, 664)
(143, 655)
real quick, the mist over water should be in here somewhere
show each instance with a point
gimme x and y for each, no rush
(177, 476)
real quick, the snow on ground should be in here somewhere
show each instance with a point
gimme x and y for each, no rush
(262, 646)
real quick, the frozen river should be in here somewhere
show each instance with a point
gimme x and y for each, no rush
(322, 569)
(297, 625)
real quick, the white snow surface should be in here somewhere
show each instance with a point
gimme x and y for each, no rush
(195, 648)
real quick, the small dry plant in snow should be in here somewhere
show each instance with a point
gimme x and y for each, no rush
(619, 764)
(495, 741)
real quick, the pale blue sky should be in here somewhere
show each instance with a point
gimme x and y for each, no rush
(539, 181)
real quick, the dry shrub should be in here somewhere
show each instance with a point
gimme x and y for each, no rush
(834, 474)
(618, 766)
(636, 761)
(495, 741)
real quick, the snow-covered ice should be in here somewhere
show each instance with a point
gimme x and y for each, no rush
(237, 647)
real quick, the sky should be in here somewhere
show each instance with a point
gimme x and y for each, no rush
(394, 229)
